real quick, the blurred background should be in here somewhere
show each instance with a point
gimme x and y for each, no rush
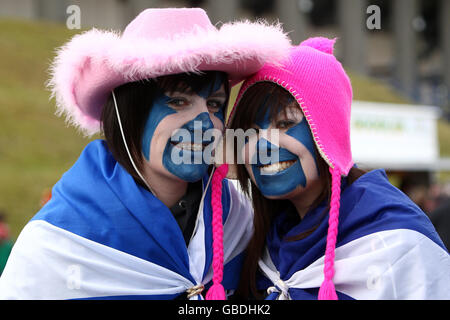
(397, 53)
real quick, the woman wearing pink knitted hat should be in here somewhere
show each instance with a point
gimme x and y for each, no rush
(324, 228)
(133, 218)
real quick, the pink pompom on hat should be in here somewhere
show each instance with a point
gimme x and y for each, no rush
(318, 82)
(157, 42)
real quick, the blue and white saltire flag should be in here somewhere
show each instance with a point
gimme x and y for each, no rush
(386, 249)
(102, 236)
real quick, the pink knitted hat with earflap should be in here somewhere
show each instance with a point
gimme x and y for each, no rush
(323, 90)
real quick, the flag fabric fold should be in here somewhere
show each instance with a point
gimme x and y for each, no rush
(102, 236)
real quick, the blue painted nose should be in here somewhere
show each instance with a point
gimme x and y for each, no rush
(264, 145)
(264, 150)
(205, 124)
(268, 153)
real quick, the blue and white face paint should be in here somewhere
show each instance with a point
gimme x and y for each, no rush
(174, 138)
(296, 165)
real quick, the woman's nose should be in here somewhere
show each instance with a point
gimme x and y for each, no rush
(265, 151)
(264, 145)
(201, 122)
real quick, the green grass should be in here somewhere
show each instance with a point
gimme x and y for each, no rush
(374, 90)
(444, 137)
(36, 147)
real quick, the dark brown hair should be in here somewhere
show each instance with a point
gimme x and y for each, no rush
(134, 101)
(262, 95)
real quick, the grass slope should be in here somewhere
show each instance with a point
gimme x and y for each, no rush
(36, 148)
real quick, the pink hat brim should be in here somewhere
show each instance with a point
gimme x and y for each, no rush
(93, 63)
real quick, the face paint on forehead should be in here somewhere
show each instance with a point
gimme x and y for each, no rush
(207, 90)
(263, 120)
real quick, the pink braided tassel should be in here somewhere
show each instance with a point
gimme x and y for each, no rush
(327, 290)
(217, 291)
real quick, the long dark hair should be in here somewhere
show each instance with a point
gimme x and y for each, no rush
(266, 209)
(134, 101)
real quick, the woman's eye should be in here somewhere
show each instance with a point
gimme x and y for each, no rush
(214, 105)
(283, 124)
(178, 102)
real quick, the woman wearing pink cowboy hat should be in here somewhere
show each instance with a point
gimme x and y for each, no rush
(324, 228)
(129, 219)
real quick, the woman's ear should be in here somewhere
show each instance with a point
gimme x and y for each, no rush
(224, 153)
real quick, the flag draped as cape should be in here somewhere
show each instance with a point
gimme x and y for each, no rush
(102, 236)
(386, 248)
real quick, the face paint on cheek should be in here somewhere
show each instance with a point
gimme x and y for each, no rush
(288, 173)
(186, 160)
(277, 179)
(221, 114)
(282, 173)
(158, 112)
(302, 133)
(281, 177)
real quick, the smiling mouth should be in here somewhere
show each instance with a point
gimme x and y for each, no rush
(189, 146)
(276, 167)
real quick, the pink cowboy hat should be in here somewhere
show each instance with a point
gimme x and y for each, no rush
(157, 42)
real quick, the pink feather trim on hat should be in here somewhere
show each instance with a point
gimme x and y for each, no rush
(157, 42)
